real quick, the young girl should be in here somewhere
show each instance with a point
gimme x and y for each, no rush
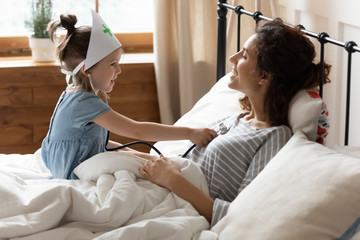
(274, 64)
(78, 127)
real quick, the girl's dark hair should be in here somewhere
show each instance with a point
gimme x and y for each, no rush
(287, 55)
(73, 47)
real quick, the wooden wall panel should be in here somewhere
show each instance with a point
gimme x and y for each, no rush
(29, 93)
(44, 95)
(15, 135)
(15, 96)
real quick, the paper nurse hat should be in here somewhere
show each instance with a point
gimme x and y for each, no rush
(102, 41)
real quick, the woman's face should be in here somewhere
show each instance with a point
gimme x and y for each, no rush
(104, 73)
(243, 75)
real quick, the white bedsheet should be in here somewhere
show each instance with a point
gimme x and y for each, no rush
(111, 201)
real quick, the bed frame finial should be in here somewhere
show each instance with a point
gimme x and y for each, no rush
(256, 16)
(238, 9)
(349, 46)
(321, 37)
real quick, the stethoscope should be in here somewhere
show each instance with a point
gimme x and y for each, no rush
(222, 130)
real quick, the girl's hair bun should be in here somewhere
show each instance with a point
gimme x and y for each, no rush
(68, 22)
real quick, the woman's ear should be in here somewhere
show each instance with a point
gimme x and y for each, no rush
(265, 78)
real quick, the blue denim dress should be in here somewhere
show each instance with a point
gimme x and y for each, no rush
(72, 137)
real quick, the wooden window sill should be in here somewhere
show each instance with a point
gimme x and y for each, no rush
(132, 43)
(26, 61)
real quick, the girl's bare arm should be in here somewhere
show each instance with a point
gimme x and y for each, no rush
(149, 131)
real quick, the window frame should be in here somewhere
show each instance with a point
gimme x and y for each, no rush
(134, 42)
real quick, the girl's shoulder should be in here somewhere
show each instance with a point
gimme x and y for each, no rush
(82, 96)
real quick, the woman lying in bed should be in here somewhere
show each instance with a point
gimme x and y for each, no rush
(274, 64)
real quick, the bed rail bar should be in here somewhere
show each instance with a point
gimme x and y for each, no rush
(221, 51)
(323, 38)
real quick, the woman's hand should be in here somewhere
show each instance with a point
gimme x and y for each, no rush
(161, 171)
(164, 172)
(202, 136)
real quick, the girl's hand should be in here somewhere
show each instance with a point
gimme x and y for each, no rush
(161, 171)
(202, 136)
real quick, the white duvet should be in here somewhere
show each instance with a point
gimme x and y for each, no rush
(110, 201)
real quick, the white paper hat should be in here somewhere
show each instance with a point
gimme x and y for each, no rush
(102, 41)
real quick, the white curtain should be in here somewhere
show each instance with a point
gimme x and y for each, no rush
(185, 48)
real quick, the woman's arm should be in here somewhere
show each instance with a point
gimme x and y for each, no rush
(148, 131)
(165, 173)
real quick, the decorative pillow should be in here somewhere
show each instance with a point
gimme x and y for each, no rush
(221, 101)
(310, 103)
(309, 113)
(307, 191)
(323, 122)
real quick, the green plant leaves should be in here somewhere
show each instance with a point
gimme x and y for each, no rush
(41, 15)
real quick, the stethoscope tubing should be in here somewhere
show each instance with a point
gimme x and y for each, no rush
(222, 130)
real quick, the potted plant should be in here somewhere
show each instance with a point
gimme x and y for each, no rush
(42, 48)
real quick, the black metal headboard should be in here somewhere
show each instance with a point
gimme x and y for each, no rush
(322, 37)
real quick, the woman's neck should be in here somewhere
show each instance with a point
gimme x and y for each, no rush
(257, 116)
(259, 122)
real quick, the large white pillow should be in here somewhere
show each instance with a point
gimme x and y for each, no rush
(307, 191)
(221, 101)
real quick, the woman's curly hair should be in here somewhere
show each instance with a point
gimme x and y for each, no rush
(287, 55)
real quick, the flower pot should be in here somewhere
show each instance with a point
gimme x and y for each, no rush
(42, 49)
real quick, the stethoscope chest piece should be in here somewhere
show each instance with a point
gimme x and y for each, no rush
(223, 129)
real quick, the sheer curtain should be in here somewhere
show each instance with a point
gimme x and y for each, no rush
(185, 48)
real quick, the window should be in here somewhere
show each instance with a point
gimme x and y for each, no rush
(133, 18)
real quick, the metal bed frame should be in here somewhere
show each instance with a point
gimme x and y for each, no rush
(350, 46)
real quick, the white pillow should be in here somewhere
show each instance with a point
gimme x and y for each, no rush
(307, 191)
(221, 101)
(111, 162)
(108, 163)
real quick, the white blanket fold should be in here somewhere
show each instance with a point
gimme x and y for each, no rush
(110, 201)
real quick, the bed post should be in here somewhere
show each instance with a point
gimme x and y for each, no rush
(349, 46)
(238, 11)
(221, 51)
(322, 39)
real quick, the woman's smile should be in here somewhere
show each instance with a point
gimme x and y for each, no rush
(233, 71)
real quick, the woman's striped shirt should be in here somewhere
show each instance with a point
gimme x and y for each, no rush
(232, 160)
